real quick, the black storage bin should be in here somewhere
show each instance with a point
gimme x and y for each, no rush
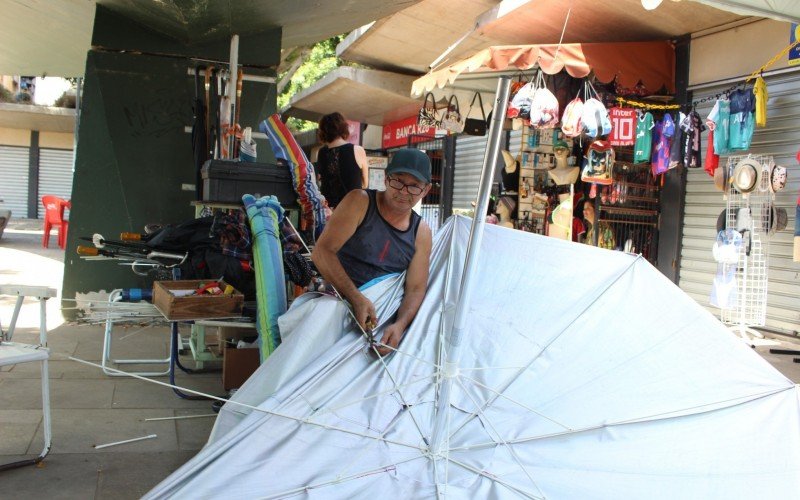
(226, 181)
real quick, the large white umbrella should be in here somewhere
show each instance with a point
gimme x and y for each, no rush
(573, 372)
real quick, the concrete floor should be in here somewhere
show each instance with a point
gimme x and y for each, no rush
(88, 407)
(91, 408)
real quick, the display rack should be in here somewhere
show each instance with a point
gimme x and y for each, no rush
(535, 159)
(750, 307)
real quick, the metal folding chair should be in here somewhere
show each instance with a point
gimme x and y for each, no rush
(117, 296)
(13, 353)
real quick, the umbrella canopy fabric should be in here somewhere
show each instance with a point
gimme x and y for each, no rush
(652, 63)
(612, 385)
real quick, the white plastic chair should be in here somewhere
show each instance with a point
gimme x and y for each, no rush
(13, 353)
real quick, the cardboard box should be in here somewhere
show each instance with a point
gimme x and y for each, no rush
(238, 365)
(169, 298)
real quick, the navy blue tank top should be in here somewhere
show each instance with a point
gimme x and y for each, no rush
(377, 248)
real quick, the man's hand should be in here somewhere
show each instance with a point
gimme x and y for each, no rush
(391, 337)
(364, 311)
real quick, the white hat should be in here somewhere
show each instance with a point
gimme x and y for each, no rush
(746, 175)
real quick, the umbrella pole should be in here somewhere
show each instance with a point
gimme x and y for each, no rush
(453, 346)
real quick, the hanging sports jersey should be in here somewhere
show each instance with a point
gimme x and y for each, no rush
(742, 121)
(692, 126)
(677, 142)
(644, 138)
(662, 137)
(623, 126)
(721, 117)
(761, 96)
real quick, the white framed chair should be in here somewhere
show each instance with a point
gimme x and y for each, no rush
(13, 353)
(117, 296)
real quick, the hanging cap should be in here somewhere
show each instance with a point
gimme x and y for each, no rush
(411, 161)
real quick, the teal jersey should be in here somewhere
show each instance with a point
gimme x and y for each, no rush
(721, 116)
(644, 138)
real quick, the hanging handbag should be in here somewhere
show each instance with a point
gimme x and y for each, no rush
(427, 114)
(474, 126)
(452, 121)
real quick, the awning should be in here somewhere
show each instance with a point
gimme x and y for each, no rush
(652, 63)
(363, 95)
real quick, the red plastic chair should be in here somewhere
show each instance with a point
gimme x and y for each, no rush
(54, 217)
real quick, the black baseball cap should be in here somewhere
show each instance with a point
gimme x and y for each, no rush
(411, 161)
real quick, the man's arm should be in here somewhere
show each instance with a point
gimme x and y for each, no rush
(415, 288)
(363, 164)
(340, 227)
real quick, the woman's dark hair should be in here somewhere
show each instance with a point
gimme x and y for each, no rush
(331, 127)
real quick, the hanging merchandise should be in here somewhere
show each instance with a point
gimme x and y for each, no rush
(599, 163)
(719, 121)
(746, 175)
(544, 105)
(596, 121)
(742, 119)
(692, 126)
(662, 137)
(571, 125)
(726, 249)
(777, 178)
(623, 126)
(676, 143)
(474, 126)
(644, 137)
(712, 158)
(520, 105)
(452, 121)
(427, 116)
(760, 94)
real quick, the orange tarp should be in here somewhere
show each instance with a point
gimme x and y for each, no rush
(652, 63)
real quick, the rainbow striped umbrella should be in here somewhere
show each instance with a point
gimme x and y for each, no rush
(284, 145)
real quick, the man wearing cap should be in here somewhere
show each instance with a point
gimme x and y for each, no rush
(376, 234)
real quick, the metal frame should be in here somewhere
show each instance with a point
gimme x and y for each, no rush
(116, 296)
(43, 354)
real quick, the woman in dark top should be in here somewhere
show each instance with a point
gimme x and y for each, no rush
(341, 166)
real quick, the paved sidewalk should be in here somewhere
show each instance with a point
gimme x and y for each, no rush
(91, 408)
(88, 407)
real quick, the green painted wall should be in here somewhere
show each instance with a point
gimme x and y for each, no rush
(133, 154)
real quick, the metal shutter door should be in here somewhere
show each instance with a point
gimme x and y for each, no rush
(469, 162)
(780, 139)
(55, 174)
(14, 180)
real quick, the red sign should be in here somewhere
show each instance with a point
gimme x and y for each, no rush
(396, 134)
(623, 126)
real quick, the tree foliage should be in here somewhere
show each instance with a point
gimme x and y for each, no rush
(320, 60)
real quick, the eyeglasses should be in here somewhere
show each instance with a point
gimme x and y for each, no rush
(397, 184)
